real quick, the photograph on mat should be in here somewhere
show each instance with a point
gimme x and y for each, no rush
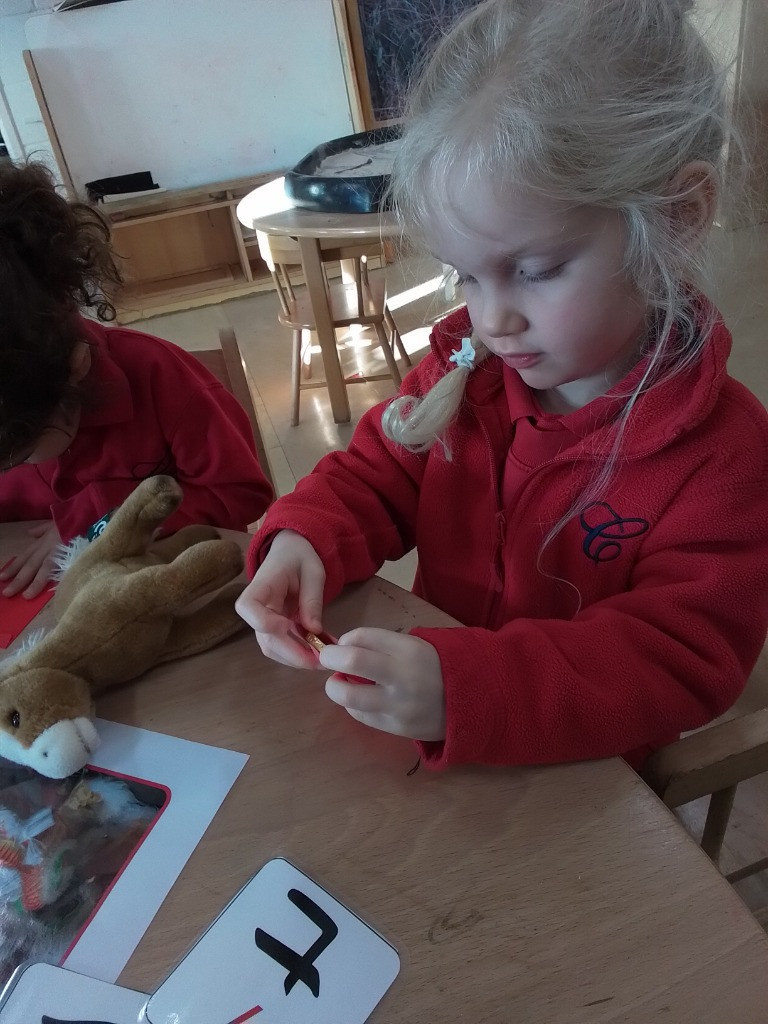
(63, 844)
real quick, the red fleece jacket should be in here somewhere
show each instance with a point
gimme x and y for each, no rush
(665, 607)
(148, 407)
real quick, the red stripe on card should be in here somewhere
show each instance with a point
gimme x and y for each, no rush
(246, 1016)
(97, 769)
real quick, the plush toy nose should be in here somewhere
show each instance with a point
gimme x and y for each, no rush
(63, 748)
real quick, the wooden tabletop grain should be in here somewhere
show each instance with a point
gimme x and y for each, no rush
(551, 895)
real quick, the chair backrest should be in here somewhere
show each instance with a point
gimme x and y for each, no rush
(281, 253)
(713, 761)
(755, 694)
(227, 365)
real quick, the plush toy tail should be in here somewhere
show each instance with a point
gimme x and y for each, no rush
(66, 554)
(29, 642)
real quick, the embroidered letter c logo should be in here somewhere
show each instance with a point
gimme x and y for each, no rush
(604, 538)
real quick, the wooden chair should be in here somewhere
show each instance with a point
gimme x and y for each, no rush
(361, 301)
(714, 760)
(227, 365)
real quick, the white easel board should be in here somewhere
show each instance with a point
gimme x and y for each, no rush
(193, 91)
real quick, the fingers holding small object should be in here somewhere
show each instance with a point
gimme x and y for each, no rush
(285, 650)
(317, 643)
(355, 698)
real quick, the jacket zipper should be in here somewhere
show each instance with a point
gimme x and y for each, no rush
(497, 555)
(498, 565)
(498, 560)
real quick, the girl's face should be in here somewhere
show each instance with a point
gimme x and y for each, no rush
(545, 288)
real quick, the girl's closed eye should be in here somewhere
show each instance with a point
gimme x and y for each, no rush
(540, 275)
(528, 277)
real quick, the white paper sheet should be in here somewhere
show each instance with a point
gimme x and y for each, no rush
(198, 778)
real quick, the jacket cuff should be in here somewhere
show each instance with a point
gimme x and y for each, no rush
(432, 754)
(258, 550)
(467, 723)
(262, 542)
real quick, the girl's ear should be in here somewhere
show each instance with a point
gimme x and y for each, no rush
(694, 192)
(80, 362)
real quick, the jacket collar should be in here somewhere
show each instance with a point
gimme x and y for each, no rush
(107, 391)
(659, 416)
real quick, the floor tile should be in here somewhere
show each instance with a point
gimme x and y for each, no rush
(192, 329)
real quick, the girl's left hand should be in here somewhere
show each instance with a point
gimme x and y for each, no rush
(409, 696)
(31, 571)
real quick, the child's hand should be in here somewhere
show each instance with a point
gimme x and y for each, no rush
(408, 698)
(31, 570)
(287, 587)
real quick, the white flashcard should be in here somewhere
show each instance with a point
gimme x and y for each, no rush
(283, 951)
(44, 994)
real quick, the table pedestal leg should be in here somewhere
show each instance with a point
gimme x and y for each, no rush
(326, 336)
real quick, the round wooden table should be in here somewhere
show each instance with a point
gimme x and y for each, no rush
(269, 209)
(557, 895)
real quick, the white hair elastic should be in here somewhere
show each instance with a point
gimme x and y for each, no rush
(465, 356)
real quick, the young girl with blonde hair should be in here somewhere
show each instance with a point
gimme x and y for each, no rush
(585, 485)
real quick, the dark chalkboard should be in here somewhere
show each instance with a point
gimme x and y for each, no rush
(390, 39)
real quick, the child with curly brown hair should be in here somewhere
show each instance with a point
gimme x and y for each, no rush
(87, 411)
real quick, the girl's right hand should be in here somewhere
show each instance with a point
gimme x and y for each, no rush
(287, 588)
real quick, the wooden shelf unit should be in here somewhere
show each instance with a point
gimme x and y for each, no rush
(185, 248)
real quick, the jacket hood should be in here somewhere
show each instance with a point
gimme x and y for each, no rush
(662, 413)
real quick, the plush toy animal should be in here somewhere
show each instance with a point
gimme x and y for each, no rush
(121, 606)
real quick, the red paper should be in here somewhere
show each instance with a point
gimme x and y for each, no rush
(17, 612)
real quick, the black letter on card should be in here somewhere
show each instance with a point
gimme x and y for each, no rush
(301, 968)
(55, 1020)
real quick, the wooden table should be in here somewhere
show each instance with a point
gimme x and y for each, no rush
(556, 895)
(269, 209)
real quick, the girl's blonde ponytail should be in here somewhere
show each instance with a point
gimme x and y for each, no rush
(417, 423)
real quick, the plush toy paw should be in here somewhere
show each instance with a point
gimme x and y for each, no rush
(162, 497)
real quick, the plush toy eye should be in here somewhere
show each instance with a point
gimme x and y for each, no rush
(14, 719)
